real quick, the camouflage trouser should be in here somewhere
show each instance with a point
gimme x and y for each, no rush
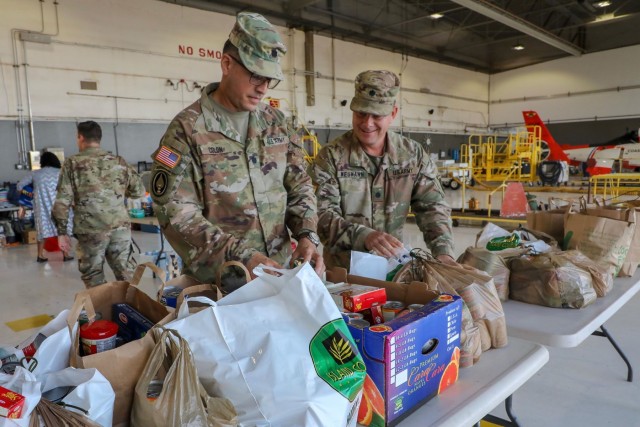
(114, 245)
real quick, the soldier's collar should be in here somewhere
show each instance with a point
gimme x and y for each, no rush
(215, 122)
(358, 158)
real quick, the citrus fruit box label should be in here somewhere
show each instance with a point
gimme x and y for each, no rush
(409, 360)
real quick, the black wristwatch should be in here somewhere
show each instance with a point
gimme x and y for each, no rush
(311, 235)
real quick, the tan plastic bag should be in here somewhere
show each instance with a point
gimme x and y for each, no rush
(550, 280)
(181, 400)
(479, 293)
(491, 263)
(470, 345)
(47, 413)
(602, 278)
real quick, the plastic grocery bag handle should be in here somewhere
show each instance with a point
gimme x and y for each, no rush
(183, 311)
(184, 294)
(261, 270)
(238, 264)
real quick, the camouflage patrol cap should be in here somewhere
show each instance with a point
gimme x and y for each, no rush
(376, 92)
(259, 45)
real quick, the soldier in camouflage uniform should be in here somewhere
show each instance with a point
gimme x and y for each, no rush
(228, 179)
(95, 183)
(369, 178)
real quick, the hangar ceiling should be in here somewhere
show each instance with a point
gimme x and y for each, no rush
(478, 35)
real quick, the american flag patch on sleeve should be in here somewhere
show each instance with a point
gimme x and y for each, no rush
(168, 157)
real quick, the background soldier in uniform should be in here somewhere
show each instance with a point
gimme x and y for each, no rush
(95, 183)
(369, 178)
(228, 179)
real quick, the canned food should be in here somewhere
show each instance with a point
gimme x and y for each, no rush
(98, 336)
(170, 296)
(84, 317)
(414, 307)
(354, 316)
(359, 323)
(154, 389)
(391, 309)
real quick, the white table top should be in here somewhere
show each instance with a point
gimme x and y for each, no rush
(482, 387)
(567, 327)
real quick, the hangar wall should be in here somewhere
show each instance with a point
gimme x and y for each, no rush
(586, 99)
(147, 59)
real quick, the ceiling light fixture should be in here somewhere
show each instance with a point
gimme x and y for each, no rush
(518, 46)
(602, 4)
(436, 15)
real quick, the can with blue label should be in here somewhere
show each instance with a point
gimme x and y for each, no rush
(170, 296)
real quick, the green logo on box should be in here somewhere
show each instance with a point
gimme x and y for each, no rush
(337, 360)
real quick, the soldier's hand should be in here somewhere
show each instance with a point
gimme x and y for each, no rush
(65, 243)
(383, 244)
(258, 259)
(307, 252)
(446, 259)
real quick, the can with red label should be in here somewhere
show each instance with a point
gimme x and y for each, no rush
(98, 336)
(391, 309)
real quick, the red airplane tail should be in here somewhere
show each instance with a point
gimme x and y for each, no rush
(549, 144)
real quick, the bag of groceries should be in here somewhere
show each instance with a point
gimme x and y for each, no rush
(275, 348)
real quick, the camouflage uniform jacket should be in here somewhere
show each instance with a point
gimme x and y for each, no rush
(95, 183)
(355, 198)
(218, 198)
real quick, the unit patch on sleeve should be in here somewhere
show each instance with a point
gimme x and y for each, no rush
(159, 183)
(167, 157)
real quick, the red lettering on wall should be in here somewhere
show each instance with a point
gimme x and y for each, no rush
(201, 52)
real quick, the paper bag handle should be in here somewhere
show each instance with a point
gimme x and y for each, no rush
(82, 300)
(137, 274)
(238, 264)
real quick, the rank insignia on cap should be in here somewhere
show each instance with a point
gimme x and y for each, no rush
(167, 157)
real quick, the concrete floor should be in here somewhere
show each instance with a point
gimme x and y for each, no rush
(583, 386)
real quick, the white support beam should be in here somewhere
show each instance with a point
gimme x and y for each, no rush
(489, 10)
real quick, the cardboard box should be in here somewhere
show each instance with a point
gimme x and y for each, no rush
(29, 237)
(409, 359)
(11, 403)
(352, 297)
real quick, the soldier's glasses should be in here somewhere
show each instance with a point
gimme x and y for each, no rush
(256, 79)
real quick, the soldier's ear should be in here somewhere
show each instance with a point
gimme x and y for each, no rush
(225, 64)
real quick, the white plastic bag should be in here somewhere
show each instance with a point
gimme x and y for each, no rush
(47, 350)
(279, 349)
(25, 383)
(85, 391)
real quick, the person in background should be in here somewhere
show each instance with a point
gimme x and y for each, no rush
(228, 179)
(44, 182)
(368, 179)
(95, 183)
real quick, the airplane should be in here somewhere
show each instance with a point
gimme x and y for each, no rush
(599, 158)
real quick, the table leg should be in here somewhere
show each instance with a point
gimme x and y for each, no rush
(161, 251)
(512, 422)
(604, 333)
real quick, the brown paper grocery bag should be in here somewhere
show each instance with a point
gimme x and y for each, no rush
(122, 366)
(604, 240)
(550, 222)
(622, 211)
